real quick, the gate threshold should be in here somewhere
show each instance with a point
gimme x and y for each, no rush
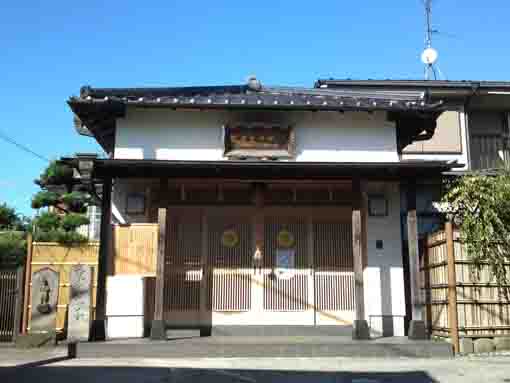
(266, 347)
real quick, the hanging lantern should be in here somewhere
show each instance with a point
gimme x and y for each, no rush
(285, 239)
(230, 238)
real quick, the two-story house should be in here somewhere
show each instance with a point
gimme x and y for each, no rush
(285, 206)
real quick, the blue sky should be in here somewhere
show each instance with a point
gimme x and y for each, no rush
(51, 48)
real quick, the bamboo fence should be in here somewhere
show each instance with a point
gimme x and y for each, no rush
(482, 309)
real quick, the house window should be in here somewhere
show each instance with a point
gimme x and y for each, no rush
(92, 230)
(135, 203)
(377, 206)
(264, 141)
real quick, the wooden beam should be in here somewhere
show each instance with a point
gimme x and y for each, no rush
(28, 277)
(412, 238)
(206, 281)
(360, 330)
(259, 191)
(163, 192)
(18, 308)
(231, 181)
(417, 325)
(158, 330)
(452, 287)
(98, 331)
(148, 204)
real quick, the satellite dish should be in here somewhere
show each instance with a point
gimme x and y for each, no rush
(429, 56)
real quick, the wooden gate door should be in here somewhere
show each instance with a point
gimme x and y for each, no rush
(11, 292)
(229, 264)
(184, 298)
(288, 272)
(334, 272)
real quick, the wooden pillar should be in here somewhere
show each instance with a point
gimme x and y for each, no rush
(360, 325)
(205, 281)
(28, 277)
(259, 225)
(158, 330)
(98, 331)
(18, 308)
(452, 287)
(417, 324)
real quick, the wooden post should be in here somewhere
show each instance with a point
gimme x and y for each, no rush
(28, 277)
(360, 326)
(416, 325)
(18, 308)
(98, 331)
(259, 226)
(452, 287)
(158, 329)
(311, 265)
(205, 284)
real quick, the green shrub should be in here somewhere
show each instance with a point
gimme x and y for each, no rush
(68, 238)
(480, 206)
(13, 247)
(56, 173)
(73, 221)
(70, 200)
(44, 198)
(47, 221)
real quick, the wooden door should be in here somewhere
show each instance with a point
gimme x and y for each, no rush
(229, 248)
(184, 280)
(288, 272)
(334, 272)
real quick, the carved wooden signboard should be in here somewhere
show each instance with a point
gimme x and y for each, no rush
(79, 303)
(45, 284)
(264, 140)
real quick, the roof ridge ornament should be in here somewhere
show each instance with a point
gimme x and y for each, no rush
(253, 83)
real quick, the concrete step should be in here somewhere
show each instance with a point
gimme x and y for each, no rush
(282, 331)
(267, 347)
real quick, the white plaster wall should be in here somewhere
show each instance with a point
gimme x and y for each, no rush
(194, 136)
(383, 275)
(124, 317)
(349, 137)
(169, 135)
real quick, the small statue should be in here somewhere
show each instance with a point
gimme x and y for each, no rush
(44, 306)
(257, 259)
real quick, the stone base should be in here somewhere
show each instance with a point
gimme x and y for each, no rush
(205, 331)
(158, 330)
(484, 345)
(360, 330)
(417, 330)
(35, 340)
(466, 346)
(97, 331)
(502, 343)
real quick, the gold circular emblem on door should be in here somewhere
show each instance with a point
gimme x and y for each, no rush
(285, 239)
(230, 238)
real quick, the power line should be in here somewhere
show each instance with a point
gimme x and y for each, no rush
(6, 138)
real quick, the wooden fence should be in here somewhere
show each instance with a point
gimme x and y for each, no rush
(135, 248)
(481, 311)
(11, 298)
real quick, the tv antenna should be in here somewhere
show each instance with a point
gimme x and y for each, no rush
(429, 56)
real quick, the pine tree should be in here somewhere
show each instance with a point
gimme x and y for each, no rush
(66, 200)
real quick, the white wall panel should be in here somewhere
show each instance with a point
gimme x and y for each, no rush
(124, 307)
(198, 136)
(384, 280)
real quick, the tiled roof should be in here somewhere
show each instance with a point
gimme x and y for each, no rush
(260, 97)
(417, 84)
